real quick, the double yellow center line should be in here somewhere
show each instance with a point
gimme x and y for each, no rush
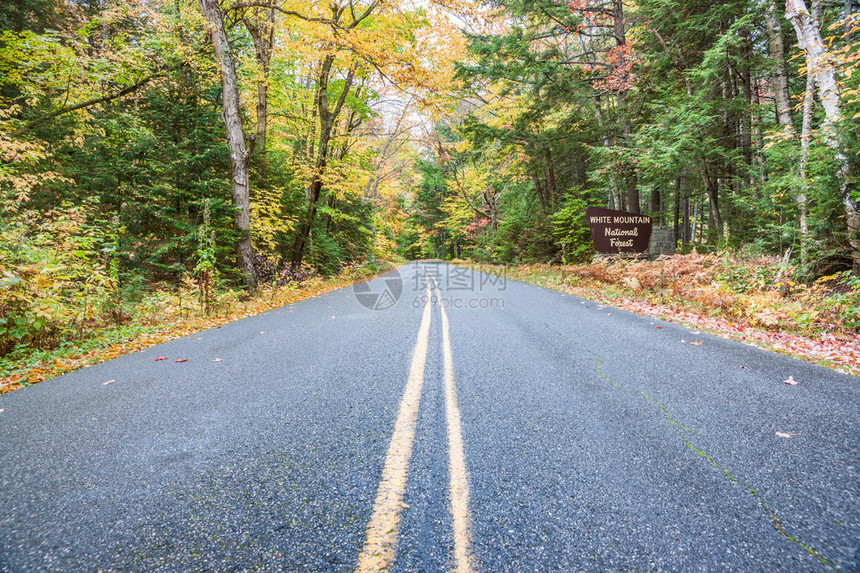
(380, 548)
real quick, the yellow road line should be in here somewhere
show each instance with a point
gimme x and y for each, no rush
(379, 549)
(459, 488)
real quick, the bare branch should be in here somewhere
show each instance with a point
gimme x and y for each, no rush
(357, 21)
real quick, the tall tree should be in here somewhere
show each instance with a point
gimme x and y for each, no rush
(819, 65)
(232, 114)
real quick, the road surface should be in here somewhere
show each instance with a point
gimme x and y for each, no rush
(468, 423)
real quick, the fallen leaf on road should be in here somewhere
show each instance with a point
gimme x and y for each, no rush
(108, 382)
(784, 435)
(217, 360)
(791, 381)
(743, 367)
(262, 332)
(658, 327)
(160, 358)
(697, 342)
(181, 360)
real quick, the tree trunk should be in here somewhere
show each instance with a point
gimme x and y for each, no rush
(619, 31)
(552, 191)
(687, 230)
(714, 217)
(614, 199)
(677, 211)
(544, 207)
(262, 33)
(328, 118)
(818, 63)
(745, 123)
(694, 221)
(805, 135)
(231, 112)
(656, 207)
(758, 138)
(776, 49)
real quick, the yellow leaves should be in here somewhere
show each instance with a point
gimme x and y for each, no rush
(268, 219)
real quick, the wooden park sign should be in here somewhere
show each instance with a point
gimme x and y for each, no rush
(618, 231)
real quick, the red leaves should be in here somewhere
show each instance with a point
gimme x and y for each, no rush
(620, 61)
(181, 360)
(160, 358)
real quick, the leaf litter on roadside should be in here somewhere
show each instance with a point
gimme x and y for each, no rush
(170, 329)
(834, 347)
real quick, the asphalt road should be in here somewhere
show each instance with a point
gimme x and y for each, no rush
(592, 439)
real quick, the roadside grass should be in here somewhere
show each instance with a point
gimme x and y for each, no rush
(164, 315)
(753, 300)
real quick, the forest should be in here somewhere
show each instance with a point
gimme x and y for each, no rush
(218, 147)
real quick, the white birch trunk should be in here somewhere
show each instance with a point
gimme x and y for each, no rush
(776, 50)
(821, 68)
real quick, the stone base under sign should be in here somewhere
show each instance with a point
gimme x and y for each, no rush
(662, 242)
